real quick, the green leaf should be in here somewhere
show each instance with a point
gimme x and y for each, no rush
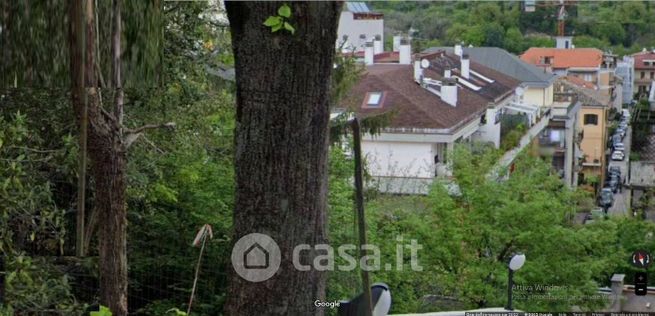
(103, 311)
(276, 28)
(284, 11)
(273, 21)
(289, 28)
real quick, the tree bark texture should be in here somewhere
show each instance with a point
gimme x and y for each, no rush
(281, 138)
(106, 151)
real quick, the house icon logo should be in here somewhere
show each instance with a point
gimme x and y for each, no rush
(256, 257)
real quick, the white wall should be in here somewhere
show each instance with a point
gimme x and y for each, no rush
(353, 28)
(539, 96)
(490, 131)
(625, 70)
(399, 159)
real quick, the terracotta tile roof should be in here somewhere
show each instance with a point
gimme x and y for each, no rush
(579, 82)
(564, 58)
(588, 97)
(416, 107)
(641, 57)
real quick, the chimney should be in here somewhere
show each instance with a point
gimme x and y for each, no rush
(418, 71)
(377, 44)
(449, 91)
(396, 43)
(458, 50)
(368, 53)
(617, 292)
(405, 54)
(446, 73)
(465, 65)
(564, 42)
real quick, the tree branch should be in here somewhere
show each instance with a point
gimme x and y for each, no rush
(169, 125)
(132, 135)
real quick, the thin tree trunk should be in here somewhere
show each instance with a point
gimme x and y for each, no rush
(116, 62)
(107, 153)
(78, 94)
(281, 147)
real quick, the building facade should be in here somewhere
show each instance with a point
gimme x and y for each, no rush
(432, 103)
(644, 72)
(592, 127)
(358, 25)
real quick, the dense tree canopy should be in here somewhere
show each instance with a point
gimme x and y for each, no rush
(621, 26)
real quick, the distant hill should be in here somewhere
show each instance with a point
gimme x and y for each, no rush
(622, 27)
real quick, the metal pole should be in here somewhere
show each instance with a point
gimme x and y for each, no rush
(510, 284)
(2, 280)
(359, 201)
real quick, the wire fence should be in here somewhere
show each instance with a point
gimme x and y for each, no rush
(165, 285)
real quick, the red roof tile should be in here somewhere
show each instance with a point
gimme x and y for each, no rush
(643, 56)
(579, 82)
(564, 58)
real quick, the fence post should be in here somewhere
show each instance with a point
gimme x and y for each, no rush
(2, 280)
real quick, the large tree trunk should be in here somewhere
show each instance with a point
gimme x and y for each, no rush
(106, 150)
(283, 82)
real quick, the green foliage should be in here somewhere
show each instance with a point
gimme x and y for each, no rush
(281, 20)
(514, 41)
(181, 180)
(176, 312)
(102, 311)
(619, 26)
(467, 239)
(31, 218)
(513, 137)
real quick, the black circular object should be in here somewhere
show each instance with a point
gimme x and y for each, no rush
(641, 259)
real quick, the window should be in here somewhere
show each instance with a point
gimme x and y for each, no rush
(590, 119)
(643, 74)
(652, 75)
(373, 100)
(587, 78)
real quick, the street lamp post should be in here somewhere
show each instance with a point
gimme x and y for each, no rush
(515, 263)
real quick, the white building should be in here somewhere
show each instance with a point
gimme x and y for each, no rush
(432, 101)
(626, 70)
(358, 25)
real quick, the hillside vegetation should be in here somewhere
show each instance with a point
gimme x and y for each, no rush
(622, 27)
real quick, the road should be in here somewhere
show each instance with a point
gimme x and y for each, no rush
(622, 198)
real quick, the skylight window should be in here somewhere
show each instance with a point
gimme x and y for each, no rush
(374, 99)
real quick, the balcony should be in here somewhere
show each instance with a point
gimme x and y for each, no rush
(552, 142)
(534, 131)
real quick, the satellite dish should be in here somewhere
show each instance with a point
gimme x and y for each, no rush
(519, 91)
(425, 63)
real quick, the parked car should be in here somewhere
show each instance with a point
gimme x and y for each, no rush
(626, 114)
(623, 125)
(614, 170)
(606, 198)
(618, 155)
(620, 131)
(614, 182)
(616, 138)
(618, 146)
